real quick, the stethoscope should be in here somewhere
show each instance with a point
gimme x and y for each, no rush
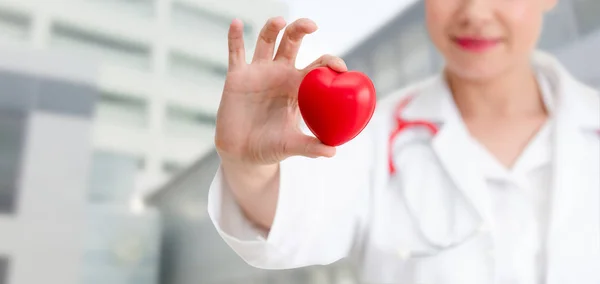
(402, 124)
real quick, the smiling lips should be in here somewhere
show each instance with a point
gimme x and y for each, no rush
(476, 44)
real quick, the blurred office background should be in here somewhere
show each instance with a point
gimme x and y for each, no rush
(107, 113)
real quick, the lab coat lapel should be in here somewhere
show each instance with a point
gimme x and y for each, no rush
(573, 243)
(452, 144)
(452, 147)
(574, 236)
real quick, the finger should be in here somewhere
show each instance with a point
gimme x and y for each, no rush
(237, 54)
(331, 61)
(292, 38)
(309, 146)
(265, 47)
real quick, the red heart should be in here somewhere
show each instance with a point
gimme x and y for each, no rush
(336, 106)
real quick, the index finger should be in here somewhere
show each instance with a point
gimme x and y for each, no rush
(267, 39)
(237, 53)
(292, 38)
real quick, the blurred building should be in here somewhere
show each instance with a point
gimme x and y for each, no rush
(192, 250)
(54, 226)
(46, 110)
(159, 67)
(162, 67)
(119, 247)
(401, 51)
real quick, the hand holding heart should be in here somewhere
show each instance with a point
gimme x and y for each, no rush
(257, 120)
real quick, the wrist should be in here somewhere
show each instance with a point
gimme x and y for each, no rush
(240, 168)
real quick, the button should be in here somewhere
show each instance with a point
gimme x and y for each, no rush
(404, 254)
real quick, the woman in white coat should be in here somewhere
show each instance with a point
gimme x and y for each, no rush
(500, 184)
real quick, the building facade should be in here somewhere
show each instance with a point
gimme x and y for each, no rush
(46, 110)
(192, 250)
(162, 65)
(57, 224)
(401, 51)
(69, 165)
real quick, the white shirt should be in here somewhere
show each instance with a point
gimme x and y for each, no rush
(520, 197)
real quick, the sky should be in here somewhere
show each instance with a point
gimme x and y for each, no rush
(342, 23)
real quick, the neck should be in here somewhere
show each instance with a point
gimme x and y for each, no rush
(514, 93)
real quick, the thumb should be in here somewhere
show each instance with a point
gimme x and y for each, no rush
(309, 146)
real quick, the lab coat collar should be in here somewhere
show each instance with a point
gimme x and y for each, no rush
(580, 102)
(431, 101)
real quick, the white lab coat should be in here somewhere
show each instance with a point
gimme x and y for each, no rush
(350, 206)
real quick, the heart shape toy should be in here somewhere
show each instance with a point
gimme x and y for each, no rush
(336, 107)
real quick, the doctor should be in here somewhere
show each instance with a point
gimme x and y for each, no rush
(486, 173)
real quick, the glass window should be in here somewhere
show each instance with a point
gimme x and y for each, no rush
(120, 247)
(17, 92)
(249, 32)
(122, 110)
(172, 168)
(320, 275)
(110, 50)
(559, 27)
(358, 64)
(416, 58)
(191, 18)
(586, 13)
(344, 275)
(112, 177)
(141, 164)
(66, 98)
(181, 120)
(4, 270)
(12, 138)
(418, 64)
(132, 7)
(595, 83)
(14, 25)
(189, 68)
(386, 72)
(437, 60)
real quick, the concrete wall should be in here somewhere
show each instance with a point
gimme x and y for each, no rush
(139, 46)
(41, 237)
(193, 252)
(120, 247)
(47, 246)
(581, 58)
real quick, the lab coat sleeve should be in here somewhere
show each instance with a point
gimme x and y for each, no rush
(322, 206)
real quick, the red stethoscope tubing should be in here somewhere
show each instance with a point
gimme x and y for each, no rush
(402, 125)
